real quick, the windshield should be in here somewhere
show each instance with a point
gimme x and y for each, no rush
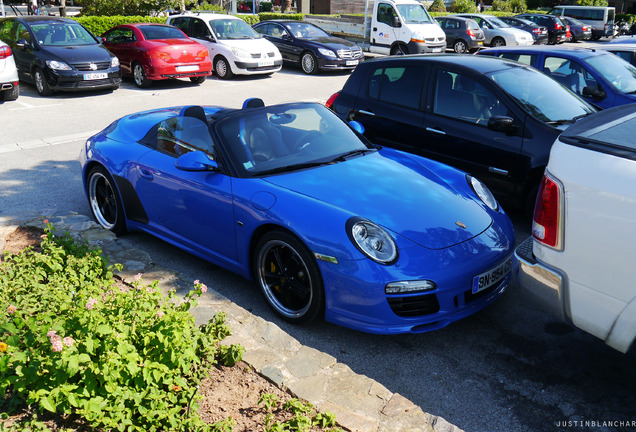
(62, 34)
(414, 14)
(497, 23)
(620, 74)
(155, 32)
(232, 29)
(306, 31)
(286, 138)
(540, 95)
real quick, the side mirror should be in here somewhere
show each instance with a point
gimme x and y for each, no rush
(196, 161)
(597, 93)
(22, 43)
(286, 37)
(502, 124)
(357, 126)
(396, 22)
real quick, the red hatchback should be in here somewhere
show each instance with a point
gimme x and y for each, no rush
(150, 52)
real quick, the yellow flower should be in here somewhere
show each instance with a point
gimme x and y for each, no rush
(3, 347)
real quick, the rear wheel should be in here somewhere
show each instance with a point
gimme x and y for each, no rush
(11, 95)
(139, 76)
(460, 47)
(498, 42)
(222, 68)
(41, 85)
(105, 201)
(289, 277)
(198, 80)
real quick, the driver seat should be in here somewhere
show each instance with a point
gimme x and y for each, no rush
(261, 138)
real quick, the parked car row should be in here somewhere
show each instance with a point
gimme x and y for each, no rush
(56, 53)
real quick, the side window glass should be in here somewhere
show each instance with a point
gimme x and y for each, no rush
(23, 33)
(180, 135)
(569, 73)
(277, 31)
(181, 24)
(460, 96)
(398, 86)
(199, 29)
(385, 14)
(528, 59)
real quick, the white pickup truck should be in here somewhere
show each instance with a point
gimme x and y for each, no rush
(395, 27)
(580, 260)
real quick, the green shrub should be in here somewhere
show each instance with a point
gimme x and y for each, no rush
(518, 6)
(501, 6)
(100, 24)
(437, 6)
(278, 15)
(630, 18)
(74, 343)
(592, 2)
(463, 6)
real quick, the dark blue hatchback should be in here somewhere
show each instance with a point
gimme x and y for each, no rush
(598, 76)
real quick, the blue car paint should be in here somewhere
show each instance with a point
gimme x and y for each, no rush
(313, 205)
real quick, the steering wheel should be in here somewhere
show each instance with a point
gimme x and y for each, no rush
(306, 140)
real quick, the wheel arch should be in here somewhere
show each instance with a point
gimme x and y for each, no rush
(261, 231)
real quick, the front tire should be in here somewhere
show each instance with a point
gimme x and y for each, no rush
(498, 42)
(139, 76)
(222, 68)
(399, 49)
(460, 47)
(105, 201)
(289, 277)
(309, 63)
(41, 85)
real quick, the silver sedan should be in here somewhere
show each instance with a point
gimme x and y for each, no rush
(498, 33)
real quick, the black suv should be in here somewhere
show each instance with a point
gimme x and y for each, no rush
(491, 117)
(557, 29)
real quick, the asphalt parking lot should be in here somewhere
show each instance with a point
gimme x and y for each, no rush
(510, 368)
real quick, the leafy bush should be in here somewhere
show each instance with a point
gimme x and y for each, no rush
(501, 6)
(74, 343)
(592, 2)
(131, 7)
(100, 24)
(437, 6)
(277, 15)
(463, 6)
(518, 6)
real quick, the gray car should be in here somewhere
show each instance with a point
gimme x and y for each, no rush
(462, 34)
(498, 33)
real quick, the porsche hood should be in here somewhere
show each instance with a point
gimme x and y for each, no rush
(420, 206)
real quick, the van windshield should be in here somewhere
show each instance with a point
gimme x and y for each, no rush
(414, 14)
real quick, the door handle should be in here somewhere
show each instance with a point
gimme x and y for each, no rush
(497, 171)
(435, 131)
(146, 174)
(365, 112)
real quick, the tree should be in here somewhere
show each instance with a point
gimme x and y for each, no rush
(592, 2)
(463, 6)
(437, 6)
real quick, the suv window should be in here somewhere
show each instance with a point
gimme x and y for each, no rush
(397, 86)
(460, 96)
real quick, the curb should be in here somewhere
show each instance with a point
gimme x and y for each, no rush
(359, 403)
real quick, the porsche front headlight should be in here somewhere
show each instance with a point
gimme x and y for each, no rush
(483, 192)
(372, 240)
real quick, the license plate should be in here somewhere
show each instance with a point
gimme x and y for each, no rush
(191, 68)
(492, 276)
(436, 50)
(264, 63)
(480, 43)
(95, 76)
(351, 62)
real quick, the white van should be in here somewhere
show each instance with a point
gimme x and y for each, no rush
(600, 18)
(234, 47)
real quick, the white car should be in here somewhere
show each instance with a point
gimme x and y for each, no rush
(234, 47)
(9, 83)
(498, 33)
(579, 262)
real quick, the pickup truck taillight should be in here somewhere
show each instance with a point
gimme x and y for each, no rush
(547, 223)
(332, 99)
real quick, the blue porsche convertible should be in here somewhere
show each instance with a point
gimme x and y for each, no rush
(326, 223)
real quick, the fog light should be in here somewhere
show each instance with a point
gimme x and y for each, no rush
(407, 287)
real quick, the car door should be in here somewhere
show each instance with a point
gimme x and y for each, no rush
(187, 206)
(383, 34)
(24, 56)
(121, 42)
(281, 38)
(390, 105)
(459, 107)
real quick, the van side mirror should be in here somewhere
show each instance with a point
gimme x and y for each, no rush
(597, 93)
(396, 22)
(502, 124)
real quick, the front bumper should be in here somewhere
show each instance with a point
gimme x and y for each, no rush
(159, 70)
(256, 67)
(426, 47)
(547, 284)
(77, 80)
(355, 290)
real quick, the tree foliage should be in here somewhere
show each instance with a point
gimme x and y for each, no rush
(463, 6)
(132, 7)
(437, 6)
(592, 2)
